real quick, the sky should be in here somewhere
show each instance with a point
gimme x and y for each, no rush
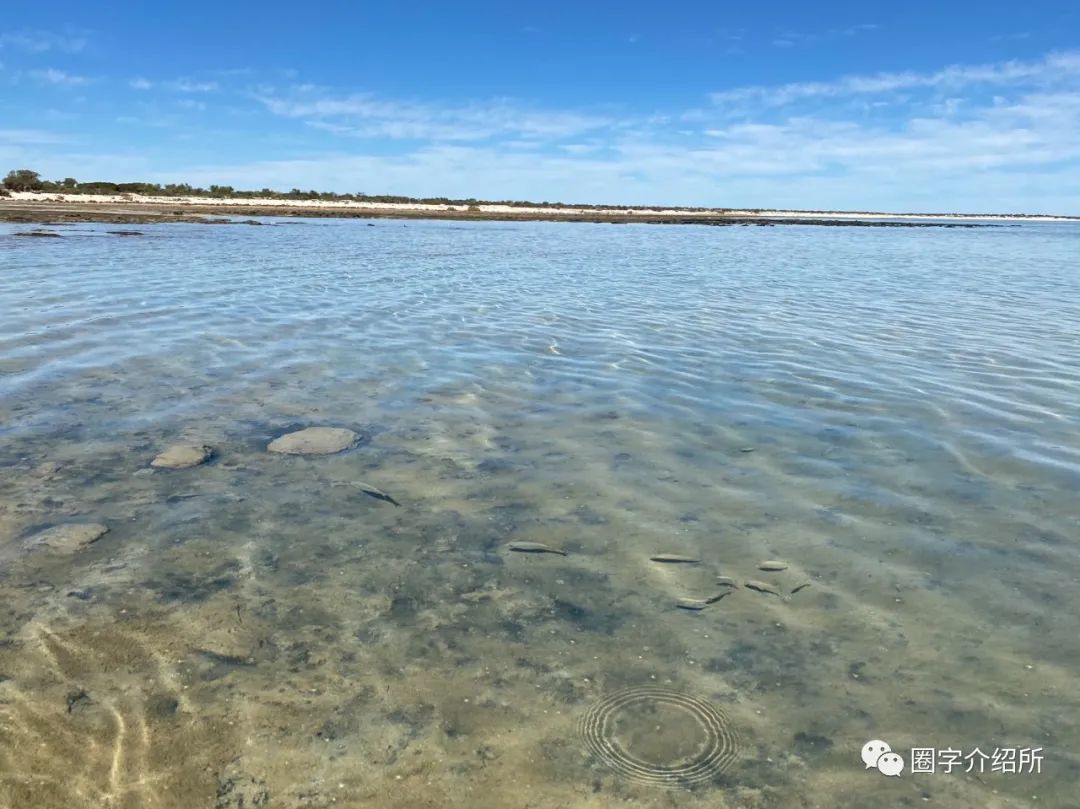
(912, 106)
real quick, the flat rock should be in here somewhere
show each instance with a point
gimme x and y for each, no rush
(182, 456)
(315, 441)
(68, 537)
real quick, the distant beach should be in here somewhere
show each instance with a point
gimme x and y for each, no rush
(134, 208)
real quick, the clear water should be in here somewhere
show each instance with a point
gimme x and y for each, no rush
(258, 631)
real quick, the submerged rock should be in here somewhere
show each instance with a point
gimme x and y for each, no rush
(315, 441)
(182, 456)
(68, 537)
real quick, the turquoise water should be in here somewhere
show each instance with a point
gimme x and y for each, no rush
(894, 414)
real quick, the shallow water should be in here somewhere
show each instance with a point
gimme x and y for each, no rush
(894, 413)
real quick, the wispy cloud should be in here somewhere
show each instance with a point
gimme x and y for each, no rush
(364, 115)
(789, 39)
(175, 85)
(1053, 67)
(1014, 36)
(36, 41)
(30, 136)
(855, 30)
(190, 86)
(60, 78)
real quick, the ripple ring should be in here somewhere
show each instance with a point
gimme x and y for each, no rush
(715, 755)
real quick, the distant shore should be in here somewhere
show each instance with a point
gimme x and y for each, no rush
(55, 208)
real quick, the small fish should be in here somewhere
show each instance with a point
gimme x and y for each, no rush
(746, 449)
(802, 586)
(773, 565)
(761, 587)
(717, 597)
(378, 494)
(534, 547)
(695, 604)
(675, 558)
(726, 581)
(176, 498)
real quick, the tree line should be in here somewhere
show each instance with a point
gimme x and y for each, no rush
(27, 180)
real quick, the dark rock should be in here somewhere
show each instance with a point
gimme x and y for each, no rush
(811, 744)
(163, 706)
(78, 701)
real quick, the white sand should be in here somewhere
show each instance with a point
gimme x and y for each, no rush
(137, 199)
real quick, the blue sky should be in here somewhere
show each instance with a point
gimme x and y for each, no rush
(922, 106)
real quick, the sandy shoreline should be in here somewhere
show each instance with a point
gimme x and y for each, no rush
(134, 209)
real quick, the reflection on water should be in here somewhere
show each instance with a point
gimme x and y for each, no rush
(893, 414)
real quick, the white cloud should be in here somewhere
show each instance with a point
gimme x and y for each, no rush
(182, 85)
(35, 41)
(855, 30)
(364, 115)
(1054, 67)
(189, 86)
(30, 136)
(59, 78)
(789, 39)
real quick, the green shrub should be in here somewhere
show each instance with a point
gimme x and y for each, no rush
(23, 180)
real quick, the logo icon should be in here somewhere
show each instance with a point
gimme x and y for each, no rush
(877, 755)
(890, 764)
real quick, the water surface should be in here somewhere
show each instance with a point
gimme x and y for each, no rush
(895, 413)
